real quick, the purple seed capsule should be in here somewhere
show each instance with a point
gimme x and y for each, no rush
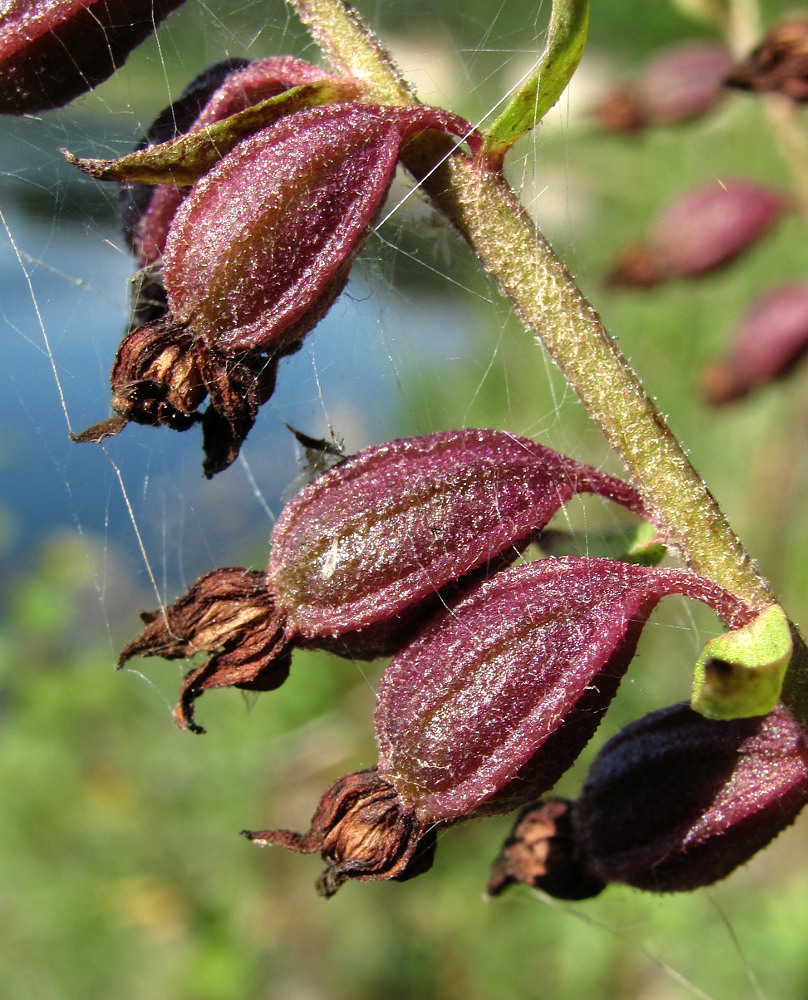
(771, 339)
(676, 801)
(53, 50)
(222, 90)
(682, 82)
(700, 231)
(487, 707)
(366, 552)
(255, 256)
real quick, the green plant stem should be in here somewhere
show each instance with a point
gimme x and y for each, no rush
(489, 215)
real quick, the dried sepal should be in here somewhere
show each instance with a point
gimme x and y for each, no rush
(779, 64)
(368, 550)
(262, 246)
(53, 50)
(540, 852)
(676, 801)
(362, 832)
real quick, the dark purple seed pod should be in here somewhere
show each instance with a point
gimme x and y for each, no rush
(700, 231)
(53, 50)
(676, 801)
(492, 701)
(779, 64)
(680, 83)
(770, 340)
(366, 552)
(259, 251)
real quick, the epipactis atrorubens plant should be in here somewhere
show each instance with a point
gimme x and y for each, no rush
(245, 207)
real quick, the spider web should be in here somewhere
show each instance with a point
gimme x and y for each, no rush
(420, 341)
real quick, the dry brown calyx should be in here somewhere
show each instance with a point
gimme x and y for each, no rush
(540, 852)
(363, 830)
(155, 380)
(230, 614)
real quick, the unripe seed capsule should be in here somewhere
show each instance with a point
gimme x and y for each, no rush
(770, 340)
(53, 50)
(676, 801)
(258, 252)
(489, 705)
(700, 231)
(363, 553)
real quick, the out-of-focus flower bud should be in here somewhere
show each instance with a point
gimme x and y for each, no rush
(365, 552)
(492, 702)
(701, 231)
(676, 801)
(53, 50)
(680, 83)
(262, 246)
(770, 339)
(779, 63)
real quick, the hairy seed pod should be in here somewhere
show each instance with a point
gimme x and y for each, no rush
(489, 704)
(676, 801)
(222, 90)
(258, 252)
(770, 340)
(366, 551)
(53, 50)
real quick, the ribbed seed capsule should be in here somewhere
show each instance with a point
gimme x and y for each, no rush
(256, 255)
(222, 90)
(676, 801)
(488, 706)
(771, 338)
(365, 552)
(681, 82)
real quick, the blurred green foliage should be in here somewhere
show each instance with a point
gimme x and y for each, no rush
(121, 871)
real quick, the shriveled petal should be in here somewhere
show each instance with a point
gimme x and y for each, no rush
(230, 614)
(541, 852)
(363, 831)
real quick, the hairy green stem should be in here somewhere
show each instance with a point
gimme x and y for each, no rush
(489, 215)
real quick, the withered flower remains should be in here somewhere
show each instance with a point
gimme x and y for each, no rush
(487, 707)
(254, 257)
(366, 552)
